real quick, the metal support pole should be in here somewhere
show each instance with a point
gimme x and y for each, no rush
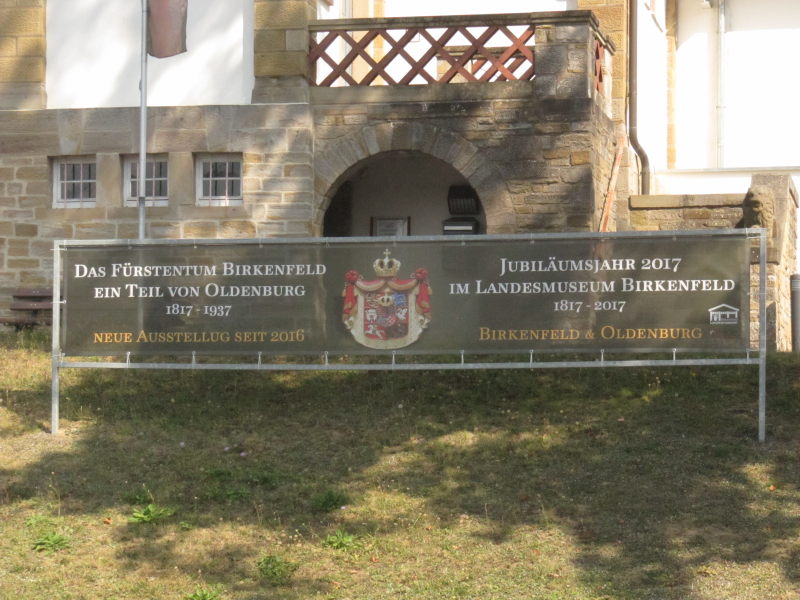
(54, 397)
(56, 341)
(142, 191)
(795, 300)
(762, 337)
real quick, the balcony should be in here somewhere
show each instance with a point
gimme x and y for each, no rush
(558, 48)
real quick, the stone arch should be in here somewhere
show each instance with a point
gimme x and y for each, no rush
(340, 157)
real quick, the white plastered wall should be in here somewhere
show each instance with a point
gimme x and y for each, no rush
(94, 55)
(402, 8)
(752, 126)
(652, 83)
(420, 8)
(759, 91)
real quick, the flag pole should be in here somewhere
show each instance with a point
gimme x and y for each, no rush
(142, 187)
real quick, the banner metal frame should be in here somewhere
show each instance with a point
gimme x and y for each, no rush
(59, 362)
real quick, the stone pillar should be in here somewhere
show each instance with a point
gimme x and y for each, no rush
(613, 18)
(22, 54)
(781, 257)
(565, 60)
(281, 50)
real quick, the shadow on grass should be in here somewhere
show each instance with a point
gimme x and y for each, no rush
(653, 472)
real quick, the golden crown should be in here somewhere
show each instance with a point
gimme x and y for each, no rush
(386, 266)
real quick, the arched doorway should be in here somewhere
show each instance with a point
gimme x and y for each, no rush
(403, 192)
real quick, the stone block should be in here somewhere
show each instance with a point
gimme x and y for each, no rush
(22, 21)
(22, 95)
(289, 212)
(326, 173)
(573, 86)
(300, 140)
(269, 40)
(401, 136)
(697, 213)
(22, 263)
(38, 188)
(33, 202)
(298, 198)
(30, 46)
(298, 229)
(297, 40)
(109, 180)
(201, 214)
(580, 222)
(268, 90)
(57, 230)
(14, 215)
(369, 138)
(577, 61)
(612, 18)
(275, 64)
(273, 229)
(17, 248)
(237, 229)
(423, 137)
(262, 170)
(112, 119)
(127, 231)
(41, 249)
(581, 157)
(180, 167)
(572, 33)
(21, 69)
(38, 278)
(287, 185)
(355, 119)
(94, 231)
(27, 122)
(163, 230)
(281, 14)
(551, 60)
(8, 46)
(303, 171)
(200, 229)
(26, 230)
(163, 141)
(9, 280)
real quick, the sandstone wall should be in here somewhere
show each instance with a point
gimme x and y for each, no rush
(714, 211)
(22, 53)
(275, 142)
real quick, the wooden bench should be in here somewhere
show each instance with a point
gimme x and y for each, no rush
(33, 306)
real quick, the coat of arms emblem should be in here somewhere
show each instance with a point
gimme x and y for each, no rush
(387, 312)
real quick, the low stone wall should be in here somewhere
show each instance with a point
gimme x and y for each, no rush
(676, 212)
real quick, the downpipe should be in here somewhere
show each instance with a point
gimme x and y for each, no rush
(633, 97)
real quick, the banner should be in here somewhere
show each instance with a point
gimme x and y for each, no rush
(166, 27)
(488, 294)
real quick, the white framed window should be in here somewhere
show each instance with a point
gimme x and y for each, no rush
(74, 182)
(156, 181)
(218, 180)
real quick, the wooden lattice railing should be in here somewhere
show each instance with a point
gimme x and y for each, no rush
(421, 51)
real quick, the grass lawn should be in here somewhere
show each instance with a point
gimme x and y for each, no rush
(565, 484)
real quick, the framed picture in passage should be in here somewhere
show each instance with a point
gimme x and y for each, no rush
(390, 226)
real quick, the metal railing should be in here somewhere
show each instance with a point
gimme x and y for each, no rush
(422, 50)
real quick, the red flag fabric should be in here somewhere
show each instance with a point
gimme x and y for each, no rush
(166, 27)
